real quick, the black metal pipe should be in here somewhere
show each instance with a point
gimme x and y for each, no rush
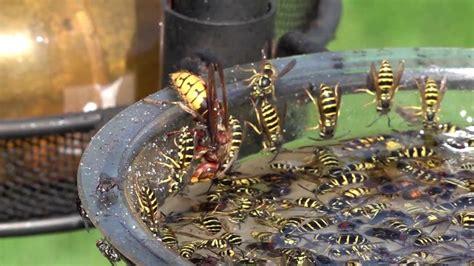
(236, 39)
(55, 124)
(40, 226)
(221, 10)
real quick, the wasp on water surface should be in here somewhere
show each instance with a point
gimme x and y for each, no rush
(368, 143)
(168, 237)
(217, 134)
(185, 143)
(148, 207)
(188, 249)
(328, 160)
(385, 83)
(465, 219)
(290, 168)
(340, 180)
(316, 224)
(328, 101)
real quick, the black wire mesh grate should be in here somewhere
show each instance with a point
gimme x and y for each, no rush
(39, 159)
(38, 175)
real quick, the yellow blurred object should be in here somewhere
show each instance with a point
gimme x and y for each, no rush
(70, 56)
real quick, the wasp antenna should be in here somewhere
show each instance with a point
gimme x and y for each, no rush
(375, 120)
(316, 139)
(211, 103)
(312, 192)
(275, 155)
(389, 121)
(224, 95)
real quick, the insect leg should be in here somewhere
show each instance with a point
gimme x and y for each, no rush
(254, 127)
(365, 90)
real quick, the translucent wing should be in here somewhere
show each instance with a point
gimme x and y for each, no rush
(287, 68)
(373, 84)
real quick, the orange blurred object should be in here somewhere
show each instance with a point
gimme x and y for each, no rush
(72, 56)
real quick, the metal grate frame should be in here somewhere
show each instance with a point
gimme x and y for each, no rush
(38, 167)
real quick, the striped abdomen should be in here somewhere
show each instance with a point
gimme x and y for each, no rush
(148, 201)
(431, 93)
(467, 166)
(185, 143)
(420, 175)
(187, 250)
(309, 203)
(354, 193)
(270, 118)
(328, 159)
(345, 179)
(328, 101)
(262, 236)
(363, 143)
(466, 219)
(235, 142)
(397, 225)
(413, 152)
(148, 207)
(425, 241)
(385, 77)
(350, 239)
(316, 224)
(168, 237)
(191, 88)
(212, 224)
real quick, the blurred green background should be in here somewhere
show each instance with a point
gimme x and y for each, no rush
(364, 24)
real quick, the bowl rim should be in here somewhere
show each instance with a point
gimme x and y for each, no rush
(115, 145)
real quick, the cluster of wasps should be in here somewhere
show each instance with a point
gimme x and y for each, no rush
(379, 199)
(347, 216)
(215, 138)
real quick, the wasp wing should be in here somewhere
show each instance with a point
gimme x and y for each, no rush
(337, 92)
(396, 79)
(212, 109)
(224, 96)
(421, 85)
(442, 90)
(286, 68)
(322, 117)
(372, 83)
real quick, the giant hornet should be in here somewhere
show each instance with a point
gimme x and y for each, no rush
(385, 83)
(328, 102)
(218, 134)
